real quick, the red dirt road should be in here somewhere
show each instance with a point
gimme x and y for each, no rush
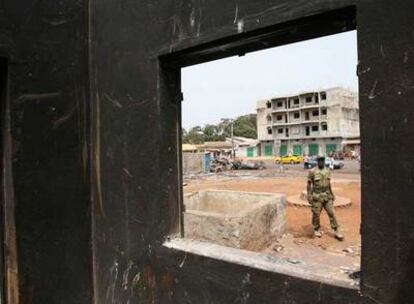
(299, 218)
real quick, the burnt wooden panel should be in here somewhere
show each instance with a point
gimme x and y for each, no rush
(48, 235)
(386, 75)
(136, 104)
(96, 126)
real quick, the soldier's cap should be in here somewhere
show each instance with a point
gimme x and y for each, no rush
(320, 157)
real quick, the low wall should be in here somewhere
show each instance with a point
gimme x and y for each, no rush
(193, 163)
(243, 220)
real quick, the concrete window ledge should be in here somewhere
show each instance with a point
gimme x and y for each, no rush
(295, 268)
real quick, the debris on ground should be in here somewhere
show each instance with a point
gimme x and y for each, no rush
(223, 164)
(353, 250)
(277, 247)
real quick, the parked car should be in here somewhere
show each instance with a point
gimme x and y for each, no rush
(331, 162)
(313, 162)
(289, 159)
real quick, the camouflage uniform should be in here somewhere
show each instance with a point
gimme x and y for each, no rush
(321, 197)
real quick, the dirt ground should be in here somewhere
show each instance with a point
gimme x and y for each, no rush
(298, 242)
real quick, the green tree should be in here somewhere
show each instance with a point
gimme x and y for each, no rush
(212, 133)
(246, 126)
(243, 126)
(194, 136)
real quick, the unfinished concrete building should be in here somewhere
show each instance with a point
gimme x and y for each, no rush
(311, 123)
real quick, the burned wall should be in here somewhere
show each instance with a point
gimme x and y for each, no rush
(45, 162)
(99, 123)
(137, 109)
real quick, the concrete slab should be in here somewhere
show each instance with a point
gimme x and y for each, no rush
(245, 220)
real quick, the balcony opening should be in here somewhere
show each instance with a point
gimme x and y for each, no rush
(269, 131)
(269, 118)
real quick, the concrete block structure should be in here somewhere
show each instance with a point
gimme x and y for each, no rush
(243, 220)
(313, 123)
(195, 163)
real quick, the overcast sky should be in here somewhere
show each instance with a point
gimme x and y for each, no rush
(231, 87)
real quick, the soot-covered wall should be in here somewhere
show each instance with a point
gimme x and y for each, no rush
(90, 147)
(46, 177)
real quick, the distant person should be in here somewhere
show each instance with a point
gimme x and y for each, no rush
(331, 163)
(353, 155)
(281, 167)
(306, 161)
(320, 196)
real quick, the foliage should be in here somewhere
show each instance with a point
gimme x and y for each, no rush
(243, 126)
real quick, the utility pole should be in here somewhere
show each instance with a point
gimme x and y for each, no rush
(232, 139)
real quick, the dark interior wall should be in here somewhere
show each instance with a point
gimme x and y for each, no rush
(386, 75)
(130, 123)
(135, 156)
(47, 171)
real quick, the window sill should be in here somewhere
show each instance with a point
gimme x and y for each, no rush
(303, 270)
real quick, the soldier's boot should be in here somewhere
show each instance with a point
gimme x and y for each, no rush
(317, 233)
(338, 235)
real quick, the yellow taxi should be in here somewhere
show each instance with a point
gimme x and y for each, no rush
(289, 159)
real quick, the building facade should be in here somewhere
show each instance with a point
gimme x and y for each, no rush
(318, 122)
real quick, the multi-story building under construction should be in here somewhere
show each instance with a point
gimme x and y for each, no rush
(314, 123)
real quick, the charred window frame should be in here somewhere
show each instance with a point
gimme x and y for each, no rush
(3, 104)
(170, 95)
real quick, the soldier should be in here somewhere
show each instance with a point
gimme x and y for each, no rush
(320, 196)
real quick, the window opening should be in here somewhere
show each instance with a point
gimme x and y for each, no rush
(226, 134)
